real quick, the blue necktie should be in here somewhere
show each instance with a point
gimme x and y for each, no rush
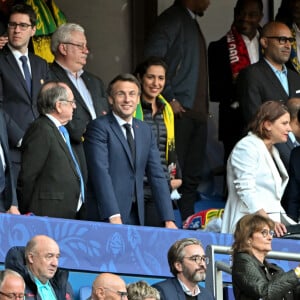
(65, 133)
(26, 72)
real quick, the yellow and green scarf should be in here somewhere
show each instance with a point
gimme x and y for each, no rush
(169, 123)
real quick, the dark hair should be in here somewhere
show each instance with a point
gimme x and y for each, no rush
(245, 228)
(26, 10)
(241, 3)
(285, 13)
(176, 253)
(268, 111)
(123, 77)
(142, 68)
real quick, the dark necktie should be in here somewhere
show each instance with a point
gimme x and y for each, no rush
(26, 72)
(130, 140)
(65, 133)
(2, 177)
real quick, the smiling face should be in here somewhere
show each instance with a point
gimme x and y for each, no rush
(279, 129)
(247, 18)
(18, 38)
(124, 99)
(153, 82)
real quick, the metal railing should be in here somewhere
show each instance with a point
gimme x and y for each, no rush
(215, 269)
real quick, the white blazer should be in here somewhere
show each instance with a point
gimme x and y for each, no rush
(256, 180)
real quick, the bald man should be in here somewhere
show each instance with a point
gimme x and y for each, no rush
(12, 285)
(41, 274)
(108, 286)
(268, 79)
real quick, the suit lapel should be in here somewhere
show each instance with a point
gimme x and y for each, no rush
(120, 135)
(62, 144)
(16, 69)
(61, 75)
(273, 79)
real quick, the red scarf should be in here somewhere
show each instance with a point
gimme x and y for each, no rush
(238, 53)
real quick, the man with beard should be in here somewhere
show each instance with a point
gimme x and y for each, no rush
(187, 263)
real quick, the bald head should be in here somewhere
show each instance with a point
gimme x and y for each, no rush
(108, 286)
(42, 254)
(11, 283)
(276, 39)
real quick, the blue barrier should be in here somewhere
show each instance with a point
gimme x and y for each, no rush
(101, 247)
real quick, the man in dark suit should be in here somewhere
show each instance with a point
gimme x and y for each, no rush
(177, 38)
(268, 79)
(69, 46)
(187, 262)
(226, 57)
(21, 76)
(50, 181)
(119, 150)
(8, 197)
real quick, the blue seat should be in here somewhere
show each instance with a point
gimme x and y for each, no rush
(85, 292)
(228, 292)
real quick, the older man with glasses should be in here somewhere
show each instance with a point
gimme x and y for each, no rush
(51, 182)
(12, 285)
(70, 49)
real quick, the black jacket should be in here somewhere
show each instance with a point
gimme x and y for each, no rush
(253, 280)
(15, 260)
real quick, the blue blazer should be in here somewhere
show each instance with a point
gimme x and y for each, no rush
(171, 289)
(114, 179)
(17, 101)
(10, 197)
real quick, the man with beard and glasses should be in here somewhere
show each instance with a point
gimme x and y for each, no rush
(187, 263)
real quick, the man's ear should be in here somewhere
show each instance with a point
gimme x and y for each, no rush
(178, 266)
(29, 258)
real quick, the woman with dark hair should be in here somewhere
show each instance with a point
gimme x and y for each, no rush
(253, 277)
(157, 112)
(256, 176)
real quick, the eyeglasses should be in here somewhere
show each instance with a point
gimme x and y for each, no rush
(198, 259)
(13, 295)
(69, 101)
(123, 295)
(81, 47)
(14, 25)
(282, 39)
(265, 233)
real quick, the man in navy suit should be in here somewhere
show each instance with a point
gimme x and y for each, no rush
(119, 150)
(187, 263)
(8, 198)
(21, 76)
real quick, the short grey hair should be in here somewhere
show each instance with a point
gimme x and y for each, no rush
(141, 290)
(63, 34)
(50, 93)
